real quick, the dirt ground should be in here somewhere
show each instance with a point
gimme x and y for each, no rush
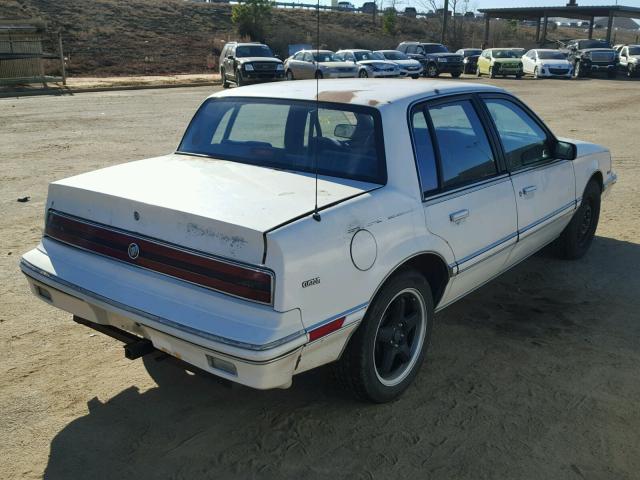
(534, 376)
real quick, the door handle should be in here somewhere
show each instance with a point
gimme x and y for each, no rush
(528, 191)
(457, 217)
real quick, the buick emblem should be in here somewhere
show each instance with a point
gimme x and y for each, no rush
(133, 251)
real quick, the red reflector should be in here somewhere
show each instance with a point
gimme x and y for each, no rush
(326, 329)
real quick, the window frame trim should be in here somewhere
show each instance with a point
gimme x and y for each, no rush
(553, 140)
(482, 113)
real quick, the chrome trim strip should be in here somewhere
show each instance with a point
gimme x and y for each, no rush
(56, 282)
(549, 216)
(444, 196)
(540, 166)
(487, 248)
(492, 254)
(335, 317)
(172, 246)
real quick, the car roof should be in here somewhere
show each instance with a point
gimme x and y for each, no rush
(421, 43)
(371, 92)
(388, 50)
(354, 50)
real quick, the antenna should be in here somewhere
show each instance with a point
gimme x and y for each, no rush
(316, 213)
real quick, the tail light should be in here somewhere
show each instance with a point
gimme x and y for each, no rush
(234, 279)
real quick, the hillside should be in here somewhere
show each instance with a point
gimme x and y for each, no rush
(112, 37)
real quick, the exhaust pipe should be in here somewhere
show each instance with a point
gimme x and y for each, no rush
(138, 349)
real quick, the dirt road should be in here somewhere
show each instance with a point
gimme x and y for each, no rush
(534, 376)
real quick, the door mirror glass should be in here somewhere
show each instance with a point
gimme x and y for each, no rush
(565, 151)
(344, 130)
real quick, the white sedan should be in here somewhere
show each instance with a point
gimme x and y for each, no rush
(229, 256)
(546, 63)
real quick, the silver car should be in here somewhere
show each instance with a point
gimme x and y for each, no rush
(408, 66)
(370, 64)
(318, 64)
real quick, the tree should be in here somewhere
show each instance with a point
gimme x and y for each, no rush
(389, 21)
(251, 18)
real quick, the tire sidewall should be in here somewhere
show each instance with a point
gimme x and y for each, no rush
(367, 332)
(572, 247)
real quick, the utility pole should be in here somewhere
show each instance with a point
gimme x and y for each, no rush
(445, 18)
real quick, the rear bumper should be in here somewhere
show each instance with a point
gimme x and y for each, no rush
(263, 367)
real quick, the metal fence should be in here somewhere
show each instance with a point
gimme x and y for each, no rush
(22, 58)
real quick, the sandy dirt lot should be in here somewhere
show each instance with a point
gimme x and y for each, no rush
(534, 376)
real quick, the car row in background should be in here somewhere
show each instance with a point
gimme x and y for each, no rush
(242, 63)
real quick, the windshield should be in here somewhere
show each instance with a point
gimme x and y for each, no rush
(435, 49)
(367, 55)
(394, 55)
(634, 50)
(592, 44)
(288, 135)
(325, 57)
(469, 53)
(506, 54)
(551, 56)
(253, 51)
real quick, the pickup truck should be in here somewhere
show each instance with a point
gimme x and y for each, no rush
(326, 222)
(434, 57)
(629, 60)
(591, 56)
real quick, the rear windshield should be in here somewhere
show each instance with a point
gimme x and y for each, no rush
(593, 44)
(344, 140)
(634, 50)
(469, 53)
(253, 51)
(551, 55)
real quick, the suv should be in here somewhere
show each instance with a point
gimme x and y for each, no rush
(243, 63)
(434, 57)
(588, 56)
(629, 58)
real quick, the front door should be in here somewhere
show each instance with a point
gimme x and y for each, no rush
(469, 200)
(544, 186)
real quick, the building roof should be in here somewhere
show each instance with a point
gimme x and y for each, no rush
(368, 92)
(585, 12)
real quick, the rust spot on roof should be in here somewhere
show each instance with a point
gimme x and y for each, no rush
(373, 103)
(338, 96)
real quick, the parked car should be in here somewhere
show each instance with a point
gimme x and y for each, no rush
(370, 64)
(215, 254)
(346, 6)
(592, 56)
(629, 60)
(546, 63)
(244, 63)
(434, 57)
(469, 58)
(499, 61)
(318, 64)
(410, 12)
(408, 66)
(369, 7)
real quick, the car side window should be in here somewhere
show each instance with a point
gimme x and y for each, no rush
(308, 57)
(425, 155)
(411, 49)
(465, 151)
(523, 140)
(298, 56)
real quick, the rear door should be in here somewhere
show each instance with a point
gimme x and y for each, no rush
(544, 186)
(468, 198)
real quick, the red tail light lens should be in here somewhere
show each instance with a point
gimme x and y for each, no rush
(223, 276)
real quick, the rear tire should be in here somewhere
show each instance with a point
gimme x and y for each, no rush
(491, 73)
(385, 352)
(415, 77)
(239, 80)
(478, 73)
(577, 237)
(290, 75)
(612, 74)
(318, 75)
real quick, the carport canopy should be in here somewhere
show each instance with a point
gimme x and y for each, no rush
(571, 10)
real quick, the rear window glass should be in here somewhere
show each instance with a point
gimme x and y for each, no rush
(343, 140)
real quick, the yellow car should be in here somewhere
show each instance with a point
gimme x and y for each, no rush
(500, 61)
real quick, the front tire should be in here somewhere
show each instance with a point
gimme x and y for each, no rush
(432, 71)
(239, 80)
(577, 237)
(290, 75)
(318, 75)
(612, 74)
(225, 81)
(478, 72)
(456, 74)
(491, 73)
(363, 74)
(386, 351)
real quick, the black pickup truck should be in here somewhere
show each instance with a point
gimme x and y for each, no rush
(591, 56)
(434, 57)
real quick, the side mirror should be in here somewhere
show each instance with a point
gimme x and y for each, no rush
(565, 151)
(344, 130)
(231, 57)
